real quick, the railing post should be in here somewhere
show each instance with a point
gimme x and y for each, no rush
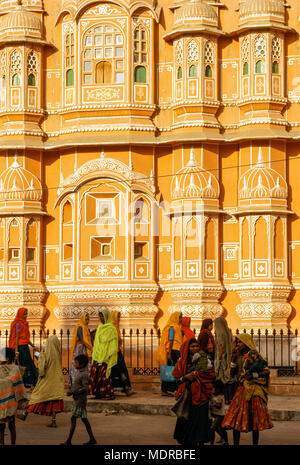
(68, 349)
(145, 333)
(123, 342)
(289, 347)
(130, 346)
(151, 348)
(41, 332)
(296, 358)
(158, 337)
(267, 345)
(137, 348)
(274, 346)
(258, 333)
(281, 347)
(61, 344)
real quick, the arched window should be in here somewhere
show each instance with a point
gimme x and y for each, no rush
(260, 67)
(31, 80)
(16, 81)
(140, 74)
(275, 67)
(103, 43)
(193, 71)
(246, 69)
(103, 72)
(179, 73)
(70, 77)
(208, 71)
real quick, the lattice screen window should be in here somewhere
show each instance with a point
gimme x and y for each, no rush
(208, 59)
(103, 56)
(140, 54)
(16, 67)
(245, 49)
(179, 59)
(192, 58)
(3, 69)
(31, 68)
(70, 57)
(260, 46)
(276, 48)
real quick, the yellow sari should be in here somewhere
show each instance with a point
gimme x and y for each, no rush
(164, 342)
(86, 336)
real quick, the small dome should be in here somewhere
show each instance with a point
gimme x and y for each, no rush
(262, 182)
(19, 184)
(196, 12)
(194, 182)
(260, 9)
(20, 22)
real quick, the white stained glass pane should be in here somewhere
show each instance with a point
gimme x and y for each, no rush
(119, 64)
(108, 29)
(108, 52)
(98, 40)
(68, 62)
(87, 66)
(119, 39)
(109, 40)
(143, 35)
(143, 46)
(136, 57)
(68, 50)
(119, 51)
(136, 34)
(144, 58)
(98, 29)
(87, 79)
(119, 78)
(136, 46)
(88, 40)
(98, 52)
(88, 53)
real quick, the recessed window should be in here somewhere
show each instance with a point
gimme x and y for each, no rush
(101, 247)
(30, 254)
(31, 80)
(275, 67)
(70, 78)
(1, 254)
(140, 250)
(140, 74)
(16, 81)
(14, 254)
(4, 82)
(179, 73)
(208, 71)
(105, 208)
(193, 71)
(68, 251)
(260, 67)
(246, 69)
(140, 55)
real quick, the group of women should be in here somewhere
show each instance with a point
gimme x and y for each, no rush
(108, 372)
(199, 365)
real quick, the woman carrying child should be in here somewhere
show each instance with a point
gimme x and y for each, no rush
(194, 371)
(248, 409)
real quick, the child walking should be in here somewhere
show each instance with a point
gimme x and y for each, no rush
(217, 407)
(79, 391)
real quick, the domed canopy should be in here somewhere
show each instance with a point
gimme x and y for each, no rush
(20, 24)
(194, 182)
(262, 12)
(261, 185)
(195, 16)
(17, 184)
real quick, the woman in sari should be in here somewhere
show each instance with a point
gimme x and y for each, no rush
(81, 344)
(19, 340)
(169, 349)
(104, 357)
(47, 396)
(207, 326)
(186, 328)
(248, 409)
(223, 354)
(119, 373)
(194, 372)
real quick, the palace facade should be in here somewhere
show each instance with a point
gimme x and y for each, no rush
(149, 158)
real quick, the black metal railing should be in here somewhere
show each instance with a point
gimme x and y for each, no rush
(139, 347)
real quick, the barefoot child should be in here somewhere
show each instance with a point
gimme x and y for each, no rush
(79, 391)
(12, 394)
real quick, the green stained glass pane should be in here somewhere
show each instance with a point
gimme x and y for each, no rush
(70, 77)
(193, 71)
(140, 74)
(275, 67)
(31, 80)
(179, 73)
(246, 69)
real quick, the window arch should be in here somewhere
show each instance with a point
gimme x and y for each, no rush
(193, 71)
(275, 67)
(70, 78)
(103, 72)
(140, 74)
(260, 67)
(70, 57)
(16, 81)
(103, 44)
(31, 80)
(246, 69)
(208, 71)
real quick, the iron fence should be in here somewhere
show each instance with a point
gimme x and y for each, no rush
(139, 346)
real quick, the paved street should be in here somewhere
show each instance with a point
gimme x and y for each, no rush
(132, 429)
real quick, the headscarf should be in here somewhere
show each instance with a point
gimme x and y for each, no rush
(24, 333)
(185, 327)
(116, 322)
(50, 385)
(223, 338)
(86, 336)
(106, 343)
(164, 341)
(202, 388)
(206, 333)
(248, 341)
